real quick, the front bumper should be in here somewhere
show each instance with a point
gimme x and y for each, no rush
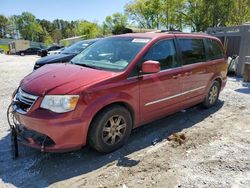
(51, 132)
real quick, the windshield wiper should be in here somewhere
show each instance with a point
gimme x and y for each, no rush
(85, 65)
(68, 53)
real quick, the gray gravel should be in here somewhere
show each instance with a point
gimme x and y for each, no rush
(216, 152)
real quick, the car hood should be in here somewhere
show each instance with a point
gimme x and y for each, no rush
(57, 58)
(64, 78)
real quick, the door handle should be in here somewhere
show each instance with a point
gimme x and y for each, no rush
(176, 76)
(187, 73)
(201, 72)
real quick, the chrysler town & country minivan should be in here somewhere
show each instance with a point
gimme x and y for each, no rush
(115, 85)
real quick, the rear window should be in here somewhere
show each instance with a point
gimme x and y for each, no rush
(214, 50)
(192, 50)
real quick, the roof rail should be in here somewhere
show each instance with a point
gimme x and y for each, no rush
(165, 31)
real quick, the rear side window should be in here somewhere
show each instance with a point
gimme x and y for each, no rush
(214, 50)
(164, 52)
(192, 50)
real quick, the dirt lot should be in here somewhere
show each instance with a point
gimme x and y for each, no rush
(216, 152)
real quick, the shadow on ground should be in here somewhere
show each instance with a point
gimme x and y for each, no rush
(245, 88)
(37, 169)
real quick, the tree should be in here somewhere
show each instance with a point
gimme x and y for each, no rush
(146, 13)
(171, 17)
(89, 29)
(201, 14)
(196, 14)
(56, 35)
(115, 24)
(3, 26)
(239, 13)
(47, 39)
(28, 27)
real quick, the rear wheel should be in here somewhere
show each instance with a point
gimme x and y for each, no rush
(22, 54)
(212, 95)
(110, 129)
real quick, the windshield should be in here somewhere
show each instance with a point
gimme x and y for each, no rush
(111, 53)
(78, 47)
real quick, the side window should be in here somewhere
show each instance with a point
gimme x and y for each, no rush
(192, 50)
(164, 52)
(214, 49)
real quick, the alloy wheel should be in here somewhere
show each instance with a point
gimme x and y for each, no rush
(213, 94)
(114, 129)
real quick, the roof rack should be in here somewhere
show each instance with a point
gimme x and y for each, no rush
(165, 31)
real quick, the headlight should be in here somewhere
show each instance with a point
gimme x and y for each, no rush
(60, 103)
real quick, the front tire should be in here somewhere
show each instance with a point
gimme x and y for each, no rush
(110, 129)
(212, 95)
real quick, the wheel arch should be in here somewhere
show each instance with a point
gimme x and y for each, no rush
(219, 80)
(118, 103)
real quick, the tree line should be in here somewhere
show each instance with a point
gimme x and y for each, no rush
(195, 15)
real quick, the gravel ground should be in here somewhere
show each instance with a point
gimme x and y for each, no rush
(215, 153)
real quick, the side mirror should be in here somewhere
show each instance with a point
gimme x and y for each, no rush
(151, 67)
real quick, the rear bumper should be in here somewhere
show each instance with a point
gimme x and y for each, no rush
(59, 133)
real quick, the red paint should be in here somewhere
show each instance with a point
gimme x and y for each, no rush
(151, 67)
(98, 88)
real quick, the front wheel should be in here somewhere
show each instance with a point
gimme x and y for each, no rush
(110, 129)
(212, 95)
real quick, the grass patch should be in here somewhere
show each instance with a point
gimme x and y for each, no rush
(4, 47)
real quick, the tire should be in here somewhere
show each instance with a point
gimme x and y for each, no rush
(22, 54)
(106, 134)
(212, 95)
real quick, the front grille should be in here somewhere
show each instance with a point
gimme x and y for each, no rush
(25, 100)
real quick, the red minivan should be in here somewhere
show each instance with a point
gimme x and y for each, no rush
(115, 85)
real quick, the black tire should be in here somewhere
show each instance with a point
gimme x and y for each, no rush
(212, 95)
(110, 129)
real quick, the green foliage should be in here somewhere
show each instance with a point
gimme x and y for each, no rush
(114, 24)
(3, 25)
(196, 14)
(239, 12)
(147, 13)
(48, 40)
(66, 43)
(89, 29)
(28, 27)
(5, 48)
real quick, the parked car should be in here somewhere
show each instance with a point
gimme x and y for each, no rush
(53, 52)
(28, 51)
(115, 85)
(44, 52)
(66, 55)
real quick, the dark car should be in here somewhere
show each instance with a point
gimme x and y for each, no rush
(66, 55)
(29, 51)
(44, 52)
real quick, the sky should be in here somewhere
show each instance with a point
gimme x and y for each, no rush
(91, 10)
